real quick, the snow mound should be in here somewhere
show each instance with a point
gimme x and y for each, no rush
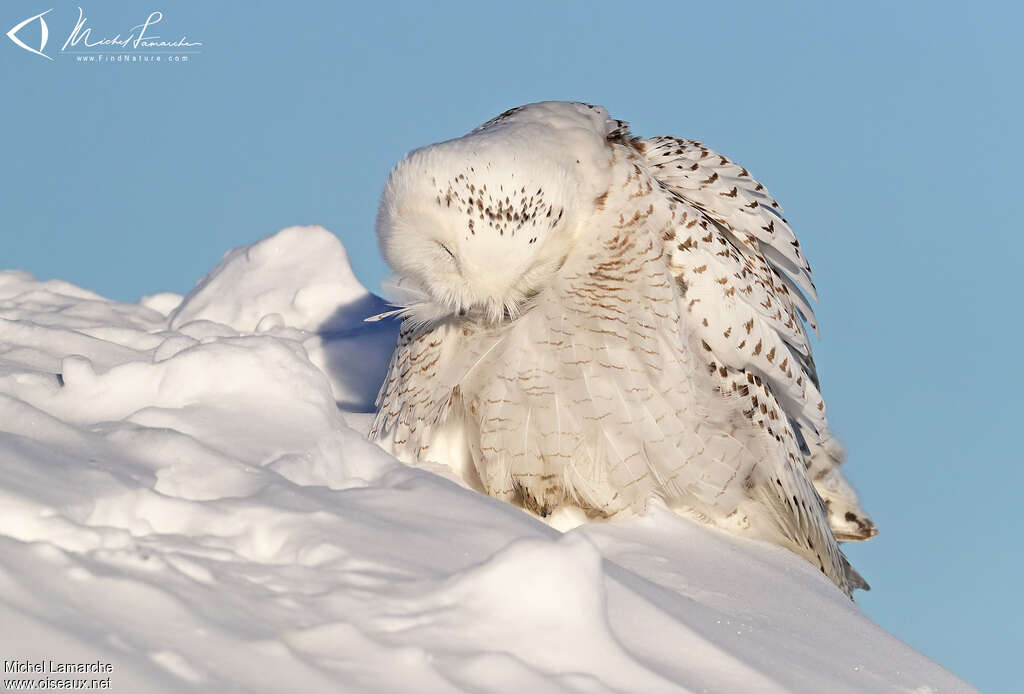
(300, 274)
(184, 499)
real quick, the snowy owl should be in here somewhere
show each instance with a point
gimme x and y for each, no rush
(594, 319)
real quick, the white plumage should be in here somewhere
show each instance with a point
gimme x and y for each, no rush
(594, 319)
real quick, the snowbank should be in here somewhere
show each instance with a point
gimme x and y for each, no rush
(183, 498)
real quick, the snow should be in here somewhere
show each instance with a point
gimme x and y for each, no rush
(187, 495)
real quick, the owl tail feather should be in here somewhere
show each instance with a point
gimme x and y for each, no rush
(801, 525)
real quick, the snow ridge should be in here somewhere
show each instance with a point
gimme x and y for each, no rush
(187, 495)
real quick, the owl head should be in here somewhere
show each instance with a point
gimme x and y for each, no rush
(480, 224)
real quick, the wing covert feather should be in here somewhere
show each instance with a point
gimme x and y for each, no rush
(732, 197)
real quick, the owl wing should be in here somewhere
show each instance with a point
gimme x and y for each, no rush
(745, 276)
(732, 197)
(738, 260)
(596, 391)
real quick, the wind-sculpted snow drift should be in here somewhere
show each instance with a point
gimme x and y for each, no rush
(183, 496)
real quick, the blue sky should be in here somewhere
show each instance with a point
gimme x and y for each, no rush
(890, 132)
